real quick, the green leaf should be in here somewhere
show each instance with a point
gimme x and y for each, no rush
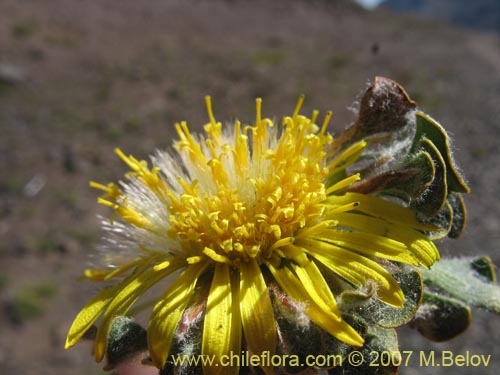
(443, 219)
(459, 278)
(441, 318)
(379, 356)
(435, 197)
(484, 267)
(459, 220)
(431, 129)
(354, 299)
(365, 305)
(410, 280)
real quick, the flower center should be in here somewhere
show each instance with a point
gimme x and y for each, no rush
(248, 194)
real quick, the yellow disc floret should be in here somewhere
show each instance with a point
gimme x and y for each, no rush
(267, 184)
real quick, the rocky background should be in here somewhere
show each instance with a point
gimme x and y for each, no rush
(80, 78)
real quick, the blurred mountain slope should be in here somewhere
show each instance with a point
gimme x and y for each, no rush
(479, 14)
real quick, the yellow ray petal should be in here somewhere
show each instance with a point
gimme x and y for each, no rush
(339, 329)
(380, 208)
(357, 269)
(89, 314)
(168, 311)
(257, 315)
(137, 284)
(425, 251)
(222, 326)
(423, 248)
(316, 287)
(369, 244)
(327, 320)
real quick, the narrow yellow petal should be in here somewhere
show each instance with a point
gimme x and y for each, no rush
(357, 269)
(168, 311)
(89, 314)
(338, 328)
(425, 251)
(326, 319)
(135, 285)
(289, 282)
(257, 315)
(220, 322)
(316, 287)
(369, 244)
(380, 208)
(423, 248)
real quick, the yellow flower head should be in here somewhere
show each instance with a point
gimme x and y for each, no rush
(235, 211)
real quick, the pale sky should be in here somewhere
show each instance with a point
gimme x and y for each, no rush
(369, 3)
